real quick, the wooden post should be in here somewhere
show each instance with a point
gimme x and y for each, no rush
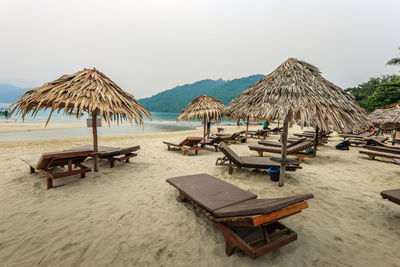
(394, 138)
(95, 143)
(315, 141)
(284, 149)
(204, 127)
(247, 126)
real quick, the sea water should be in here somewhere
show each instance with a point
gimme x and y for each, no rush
(160, 122)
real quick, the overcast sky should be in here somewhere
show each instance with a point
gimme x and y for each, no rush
(149, 46)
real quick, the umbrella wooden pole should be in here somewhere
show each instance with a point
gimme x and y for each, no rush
(394, 138)
(284, 149)
(204, 127)
(247, 126)
(95, 143)
(315, 141)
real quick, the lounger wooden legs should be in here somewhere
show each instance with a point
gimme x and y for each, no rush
(255, 242)
(125, 158)
(50, 176)
(371, 157)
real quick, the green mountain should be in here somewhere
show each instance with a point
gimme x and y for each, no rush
(175, 99)
(377, 92)
(10, 93)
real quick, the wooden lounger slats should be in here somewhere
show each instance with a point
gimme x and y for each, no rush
(372, 154)
(112, 154)
(366, 134)
(119, 154)
(296, 150)
(392, 195)
(364, 141)
(254, 234)
(386, 149)
(213, 142)
(279, 144)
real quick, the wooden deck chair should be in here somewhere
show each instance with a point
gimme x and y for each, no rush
(247, 223)
(231, 158)
(112, 154)
(258, 134)
(297, 150)
(46, 162)
(235, 137)
(377, 140)
(321, 142)
(392, 195)
(386, 149)
(214, 141)
(189, 143)
(291, 143)
(119, 154)
(363, 135)
(372, 154)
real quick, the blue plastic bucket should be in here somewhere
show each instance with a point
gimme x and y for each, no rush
(274, 173)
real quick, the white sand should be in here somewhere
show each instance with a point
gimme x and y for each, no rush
(129, 215)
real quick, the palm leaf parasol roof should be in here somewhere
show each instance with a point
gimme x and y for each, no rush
(202, 107)
(87, 90)
(299, 87)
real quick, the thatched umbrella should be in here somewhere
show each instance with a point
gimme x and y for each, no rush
(203, 108)
(88, 90)
(296, 91)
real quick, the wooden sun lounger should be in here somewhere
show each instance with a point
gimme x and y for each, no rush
(258, 134)
(189, 143)
(45, 162)
(291, 143)
(363, 141)
(321, 142)
(246, 222)
(215, 141)
(312, 136)
(119, 154)
(386, 149)
(296, 150)
(231, 158)
(363, 135)
(112, 154)
(392, 195)
(372, 154)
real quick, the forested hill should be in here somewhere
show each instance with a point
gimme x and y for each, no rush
(174, 100)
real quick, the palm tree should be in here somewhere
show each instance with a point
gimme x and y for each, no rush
(394, 61)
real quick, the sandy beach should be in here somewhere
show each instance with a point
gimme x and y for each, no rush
(129, 215)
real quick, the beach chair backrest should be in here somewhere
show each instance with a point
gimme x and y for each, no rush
(216, 140)
(377, 141)
(192, 141)
(50, 159)
(230, 154)
(299, 147)
(367, 134)
(120, 151)
(300, 140)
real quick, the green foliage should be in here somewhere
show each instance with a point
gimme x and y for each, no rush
(174, 100)
(384, 95)
(394, 61)
(377, 92)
